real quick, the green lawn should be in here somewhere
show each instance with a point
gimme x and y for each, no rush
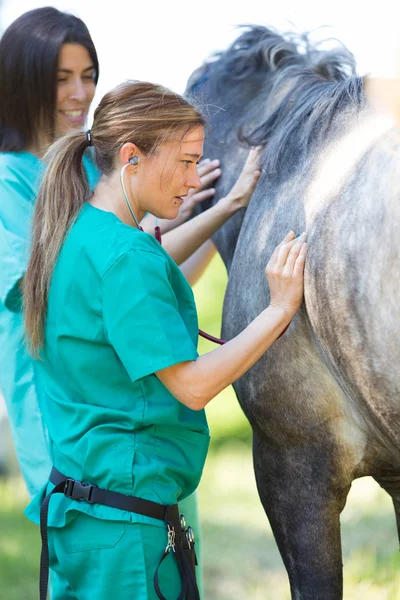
(19, 545)
(241, 559)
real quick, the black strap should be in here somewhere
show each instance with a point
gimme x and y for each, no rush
(78, 490)
(159, 593)
(186, 560)
(44, 556)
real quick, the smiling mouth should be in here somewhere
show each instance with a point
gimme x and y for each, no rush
(74, 114)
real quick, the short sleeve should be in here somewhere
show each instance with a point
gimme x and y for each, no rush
(141, 315)
(15, 219)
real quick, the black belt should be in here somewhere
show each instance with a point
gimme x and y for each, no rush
(180, 541)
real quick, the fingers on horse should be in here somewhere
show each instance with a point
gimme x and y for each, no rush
(291, 258)
(255, 154)
(203, 165)
(252, 160)
(206, 166)
(289, 236)
(300, 261)
(209, 177)
(256, 177)
(284, 253)
(293, 255)
(274, 255)
(200, 196)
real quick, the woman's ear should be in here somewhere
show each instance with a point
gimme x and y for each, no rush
(130, 154)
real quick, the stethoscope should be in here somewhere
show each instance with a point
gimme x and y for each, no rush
(157, 234)
(157, 231)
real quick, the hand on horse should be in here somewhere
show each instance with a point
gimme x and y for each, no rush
(209, 171)
(285, 273)
(240, 194)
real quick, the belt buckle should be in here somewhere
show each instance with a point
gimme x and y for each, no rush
(78, 490)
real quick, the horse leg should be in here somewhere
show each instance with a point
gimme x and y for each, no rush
(303, 498)
(390, 482)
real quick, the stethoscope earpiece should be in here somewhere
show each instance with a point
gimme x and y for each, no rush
(134, 160)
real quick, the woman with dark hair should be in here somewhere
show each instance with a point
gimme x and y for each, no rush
(48, 75)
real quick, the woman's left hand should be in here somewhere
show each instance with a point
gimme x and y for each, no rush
(209, 172)
(240, 194)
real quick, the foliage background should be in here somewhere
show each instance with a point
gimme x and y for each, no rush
(241, 558)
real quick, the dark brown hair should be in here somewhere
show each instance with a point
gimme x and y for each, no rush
(29, 52)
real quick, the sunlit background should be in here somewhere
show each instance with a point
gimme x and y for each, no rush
(164, 41)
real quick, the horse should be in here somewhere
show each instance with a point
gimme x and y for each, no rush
(324, 401)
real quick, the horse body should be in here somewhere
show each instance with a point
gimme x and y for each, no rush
(323, 402)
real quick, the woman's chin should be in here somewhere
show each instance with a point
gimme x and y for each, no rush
(173, 213)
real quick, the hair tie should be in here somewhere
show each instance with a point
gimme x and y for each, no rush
(89, 137)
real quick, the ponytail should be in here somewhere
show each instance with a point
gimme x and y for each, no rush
(63, 191)
(141, 112)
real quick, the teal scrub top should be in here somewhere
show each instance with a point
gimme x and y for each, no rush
(20, 174)
(119, 309)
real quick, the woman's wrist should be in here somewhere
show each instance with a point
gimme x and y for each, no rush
(229, 205)
(279, 315)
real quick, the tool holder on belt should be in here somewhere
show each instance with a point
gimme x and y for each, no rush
(180, 538)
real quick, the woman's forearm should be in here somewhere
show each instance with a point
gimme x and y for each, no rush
(183, 241)
(194, 267)
(195, 383)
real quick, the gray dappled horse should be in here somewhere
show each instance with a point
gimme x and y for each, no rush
(324, 401)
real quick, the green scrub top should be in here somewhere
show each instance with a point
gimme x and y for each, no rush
(119, 310)
(20, 174)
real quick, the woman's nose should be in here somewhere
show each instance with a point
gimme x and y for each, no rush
(194, 180)
(77, 90)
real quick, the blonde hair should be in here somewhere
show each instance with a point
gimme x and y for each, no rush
(143, 113)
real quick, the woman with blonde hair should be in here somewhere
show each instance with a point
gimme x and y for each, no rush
(48, 75)
(113, 321)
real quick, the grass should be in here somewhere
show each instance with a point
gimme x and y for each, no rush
(242, 561)
(19, 544)
(241, 558)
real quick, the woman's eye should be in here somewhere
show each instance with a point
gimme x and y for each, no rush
(91, 78)
(187, 162)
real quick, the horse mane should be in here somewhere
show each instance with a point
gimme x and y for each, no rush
(306, 86)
